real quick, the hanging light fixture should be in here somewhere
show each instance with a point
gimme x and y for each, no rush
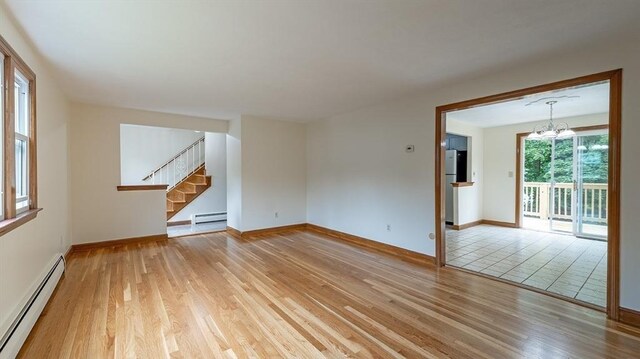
(551, 130)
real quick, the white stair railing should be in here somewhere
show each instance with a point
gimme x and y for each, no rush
(179, 167)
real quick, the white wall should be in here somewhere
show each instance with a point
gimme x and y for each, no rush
(145, 148)
(466, 207)
(273, 173)
(214, 199)
(234, 174)
(266, 162)
(500, 148)
(470, 199)
(360, 178)
(99, 211)
(26, 253)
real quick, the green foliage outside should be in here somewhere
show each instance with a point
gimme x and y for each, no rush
(594, 159)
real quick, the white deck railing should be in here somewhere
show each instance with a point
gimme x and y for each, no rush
(179, 167)
(537, 198)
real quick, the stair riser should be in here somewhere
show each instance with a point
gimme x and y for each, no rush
(186, 187)
(176, 196)
(187, 191)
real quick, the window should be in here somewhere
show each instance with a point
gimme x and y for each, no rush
(2, 98)
(18, 187)
(21, 118)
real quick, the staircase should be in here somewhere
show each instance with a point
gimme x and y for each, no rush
(186, 191)
(185, 176)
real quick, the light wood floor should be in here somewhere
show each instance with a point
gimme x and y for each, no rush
(302, 295)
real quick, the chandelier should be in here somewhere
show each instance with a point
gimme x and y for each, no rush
(551, 130)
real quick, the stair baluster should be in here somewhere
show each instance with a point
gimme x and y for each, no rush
(179, 167)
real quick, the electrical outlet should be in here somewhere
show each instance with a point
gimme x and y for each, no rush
(388, 227)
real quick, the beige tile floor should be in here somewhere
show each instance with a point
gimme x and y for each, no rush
(562, 264)
(599, 230)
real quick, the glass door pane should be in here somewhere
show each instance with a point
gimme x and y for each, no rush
(536, 184)
(561, 199)
(592, 169)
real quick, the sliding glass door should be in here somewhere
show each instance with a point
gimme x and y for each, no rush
(591, 182)
(566, 184)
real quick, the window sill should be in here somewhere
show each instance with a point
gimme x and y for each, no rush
(143, 187)
(9, 225)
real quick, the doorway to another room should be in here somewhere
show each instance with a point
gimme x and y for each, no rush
(190, 165)
(539, 204)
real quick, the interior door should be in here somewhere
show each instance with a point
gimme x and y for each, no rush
(591, 184)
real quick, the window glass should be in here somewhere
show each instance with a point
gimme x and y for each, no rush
(22, 142)
(21, 104)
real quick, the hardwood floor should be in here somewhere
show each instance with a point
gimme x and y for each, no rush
(302, 294)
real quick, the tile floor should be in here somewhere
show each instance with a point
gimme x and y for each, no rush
(187, 229)
(537, 224)
(558, 263)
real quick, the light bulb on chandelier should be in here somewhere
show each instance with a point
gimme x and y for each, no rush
(551, 130)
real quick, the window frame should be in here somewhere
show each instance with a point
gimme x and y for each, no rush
(12, 218)
(22, 202)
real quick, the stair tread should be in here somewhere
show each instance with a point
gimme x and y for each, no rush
(195, 185)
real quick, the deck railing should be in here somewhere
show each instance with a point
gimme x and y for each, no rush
(537, 201)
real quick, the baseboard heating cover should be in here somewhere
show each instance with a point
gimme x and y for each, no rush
(19, 329)
(208, 217)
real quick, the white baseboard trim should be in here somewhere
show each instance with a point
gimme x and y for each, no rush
(26, 318)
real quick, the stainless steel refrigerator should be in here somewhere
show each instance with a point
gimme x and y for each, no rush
(455, 170)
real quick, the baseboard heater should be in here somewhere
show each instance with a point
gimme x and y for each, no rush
(208, 217)
(19, 329)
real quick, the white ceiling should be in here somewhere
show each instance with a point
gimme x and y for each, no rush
(296, 59)
(578, 101)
